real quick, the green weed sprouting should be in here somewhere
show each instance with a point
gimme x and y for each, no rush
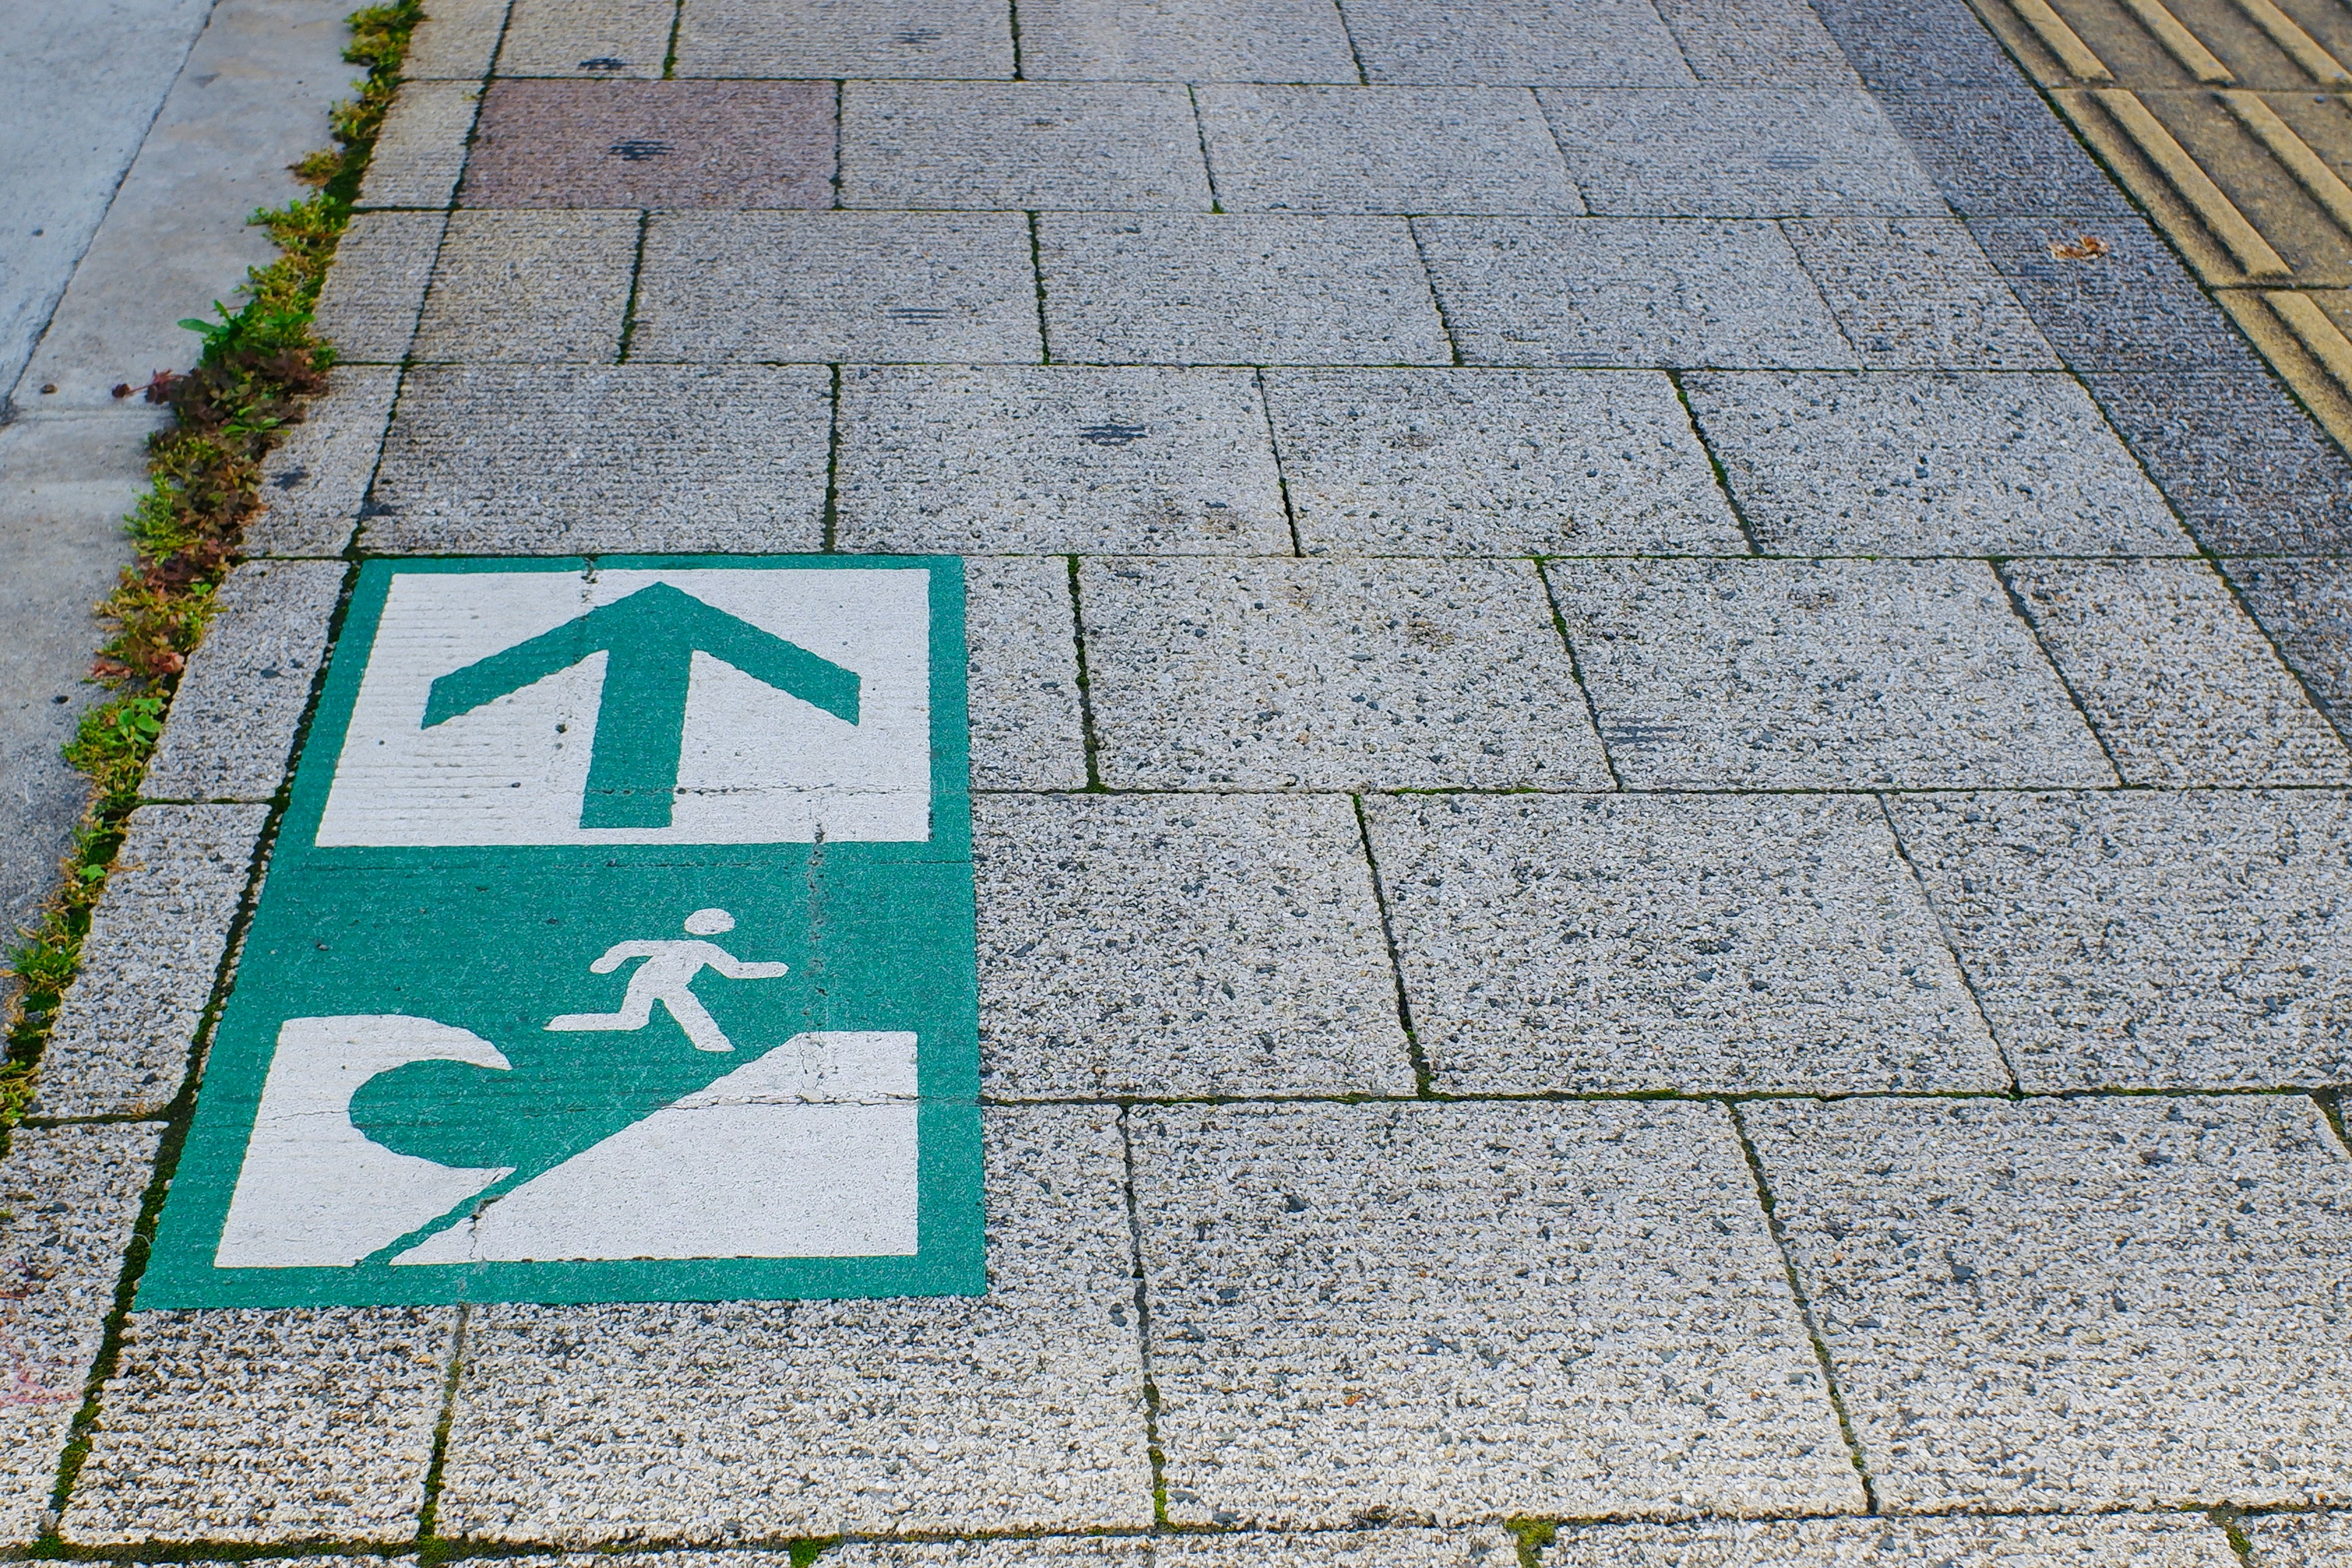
(258, 362)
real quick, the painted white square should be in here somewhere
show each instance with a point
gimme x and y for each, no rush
(757, 765)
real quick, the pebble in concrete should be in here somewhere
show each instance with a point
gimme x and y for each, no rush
(1736, 152)
(1331, 675)
(1382, 150)
(2298, 1541)
(1627, 291)
(2184, 689)
(1205, 40)
(124, 1030)
(1830, 674)
(1026, 146)
(2171, 940)
(248, 683)
(1466, 1310)
(2094, 1304)
(1021, 1410)
(1021, 629)
(1777, 43)
(315, 479)
(1918, 294)
(1611, 43)
(455, 43)
(1141, 460)
(535, 287)
(421, 150)
(1494, 462)
(821, 288)
(926, 39)
(368, 305)
(1701, 945)
(539, 461)
(1181, 945)
(69, 1198)
(2038, 1542)
(653, 145)
(600, 38)
(255, 1427)
(1237, 291)
(1910, 464)
(2307, 608)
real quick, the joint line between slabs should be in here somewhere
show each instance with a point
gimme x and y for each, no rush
(1088, 738)
(1960, 963)
(1038, 279)
(1281, 475)
(1142, 1298)
(1013, 23)
(1722, 475)
(1423, 1080)
(1576, 673)
(669, 53)
(428, 1514)
(636, 277)
(831, 535)
(1347, 31)
(1436, 296)
(2024, 614)
(1201, 134)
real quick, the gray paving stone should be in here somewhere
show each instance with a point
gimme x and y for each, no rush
(1599, 43)
(1995, 150)
(1922, 43)
(1779, 43)
(1383, 150)
(1917, 464)
(421, 150)
(2094, 1304)
(1019, 1410)
(1465, 1311)
(2246, 466)
(1819, 674)
(1695, 944)
(836, 38)
(1627, 291)
(1482, 1547)
(2307, 608)
(1330, 675)
(265, 1427)
(1025, 146)
(2298, 1541)
(2044, 1541)
(1494, 462)
(540, 288)
(2183, 689)
(1021, 631)
(1078, 1550)
(2148, 941)
(821, 288)
(557, 143)
(1185, 40)
(248, 683)
(1181, 945)
(2134, 308)
(69, 1198)
(125, 1027)
(558, 460)
(1237, 291)
(455, 43)
(316, 479)
(1067, 459)
(367, 306)
(1917, 293)
(587, 38)
(1720, 152)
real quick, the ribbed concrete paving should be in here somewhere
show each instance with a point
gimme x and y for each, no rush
(1661, 840)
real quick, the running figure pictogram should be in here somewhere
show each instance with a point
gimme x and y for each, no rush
(668, 977)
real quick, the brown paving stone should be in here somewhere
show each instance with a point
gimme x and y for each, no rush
(553, 144)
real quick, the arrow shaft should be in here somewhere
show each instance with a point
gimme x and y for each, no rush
(640, 732)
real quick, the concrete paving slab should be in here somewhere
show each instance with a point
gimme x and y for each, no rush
(540, 288)
(1819, 675)
(1478, 1547)
(2297, 1541)
(1075, 1551)
(315, 479)
(2306, 608)
(1165, 289)
(824, 288)
(1494, 462)
(456, 42)
(2043, 1542)
(1928, 464)
(1019, 1410)
(1696, 944)
(1627, 291)
(1918, 294)
(1462, 1311)
(421, 151)
(1612, 43)
(70, 1196)
(1724, 151)
(2146, 940)
(653, 145)
(2093, 1304)
(124, 1031)
(1024, 146)
(1169, 41)
(368, 304)
(2182, 688)
(1021, 630)
(247, 684)
(1181, 945)
(1331, 675)
(266, 1427)
(602, 38)
(1779, 43)
(1931, 43)
(553, 460)
(837, 38)
(1382, 150)
(1067, 459)
(1995, 150)
(2131, 309)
